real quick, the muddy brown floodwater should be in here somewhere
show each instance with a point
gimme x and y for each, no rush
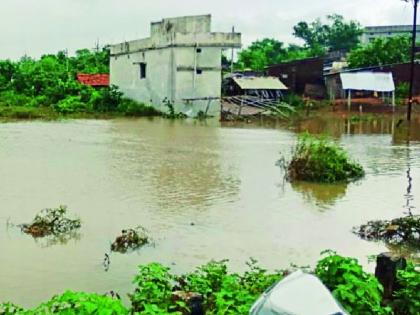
(204, 190)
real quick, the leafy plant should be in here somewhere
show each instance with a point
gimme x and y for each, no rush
(318, 159)
(154, 286)
(10, 309)
(407, 297)
(358, 291)
(71, 303)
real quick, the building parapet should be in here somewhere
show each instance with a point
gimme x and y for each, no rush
(224, 40)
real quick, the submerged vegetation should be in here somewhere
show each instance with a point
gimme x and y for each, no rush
(51, 222)
(403, 231)
(318, 159)
(130, 239)
(213, 289)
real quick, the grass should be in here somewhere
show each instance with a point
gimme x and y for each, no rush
(13, 113)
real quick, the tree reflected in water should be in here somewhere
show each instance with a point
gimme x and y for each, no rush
(323, 195)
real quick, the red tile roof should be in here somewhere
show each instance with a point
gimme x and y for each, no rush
(93, 79)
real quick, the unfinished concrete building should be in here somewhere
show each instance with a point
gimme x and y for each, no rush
(180, 64)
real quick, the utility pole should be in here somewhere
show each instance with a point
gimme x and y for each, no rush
(413, 55)
(231, 60)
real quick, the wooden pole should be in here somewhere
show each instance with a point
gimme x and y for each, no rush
(349, 100)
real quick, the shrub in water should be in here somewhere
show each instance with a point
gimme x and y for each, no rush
(130, 239)
(403, 231)
(51, 222)
(318, 159)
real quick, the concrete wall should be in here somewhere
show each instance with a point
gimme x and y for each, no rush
(171, 73)
(184, 25)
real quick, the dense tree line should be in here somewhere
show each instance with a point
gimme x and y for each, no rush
(319, 38)
(51, 82)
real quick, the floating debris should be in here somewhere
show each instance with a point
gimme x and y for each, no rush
(130, 239)
(404, 231)
(51, 222)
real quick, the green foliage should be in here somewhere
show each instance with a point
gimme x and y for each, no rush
(154, 286)
(223, 293)
(381, 51)
(71, 104)
(318, 159)
(10, 309)
(71, 303)
(267, 51)
(336, 34)
(401, 92)
(81, 303)
(407, 297)
(51, 81)
(358, 291)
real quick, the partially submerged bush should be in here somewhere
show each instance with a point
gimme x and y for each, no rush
(318, 159)
(403, 231)
(51, 222)
(130, 239)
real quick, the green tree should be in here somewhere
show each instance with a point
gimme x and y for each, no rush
(381, 51)
(261, 53)
(336, 34)
(265, 52)
(7, 70)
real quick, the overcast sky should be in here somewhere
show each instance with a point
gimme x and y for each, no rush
(36, 27)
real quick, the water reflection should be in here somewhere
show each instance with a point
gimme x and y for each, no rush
(62, 239)
(323, 195)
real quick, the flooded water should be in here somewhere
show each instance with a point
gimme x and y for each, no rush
(204, 191)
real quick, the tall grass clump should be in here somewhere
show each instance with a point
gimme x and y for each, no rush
(319, 159)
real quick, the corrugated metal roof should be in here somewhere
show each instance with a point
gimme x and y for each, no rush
(259, 83)
(93, 79)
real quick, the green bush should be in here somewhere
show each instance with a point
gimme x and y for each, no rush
(318, 159)
(223, 293)
(358, 291)
(11, 98)
(106, 99)
(71, 303)
(407, 297)
(71, 104)
(154, 286)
